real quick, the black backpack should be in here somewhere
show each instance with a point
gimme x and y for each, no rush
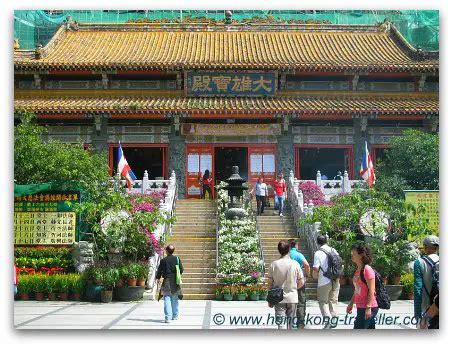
(434, 267)
(382, 297)
(334, 265)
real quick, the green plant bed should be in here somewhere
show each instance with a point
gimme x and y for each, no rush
(254, 296)
(241, 297)
(128, 293)
(219, 296)
(227, 297)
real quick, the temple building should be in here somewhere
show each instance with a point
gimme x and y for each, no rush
(267, 97)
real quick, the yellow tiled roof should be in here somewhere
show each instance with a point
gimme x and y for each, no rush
(305, 47)
(314, 105)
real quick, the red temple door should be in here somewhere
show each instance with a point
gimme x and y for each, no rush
(198, 159)
(262, 163)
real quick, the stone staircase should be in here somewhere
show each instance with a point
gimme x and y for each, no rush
(274, 228)
(194, 238)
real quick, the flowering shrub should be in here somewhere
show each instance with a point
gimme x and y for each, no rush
(312, 192)
(239, 254)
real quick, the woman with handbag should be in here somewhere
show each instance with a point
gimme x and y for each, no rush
(285, 277)
(170, 269)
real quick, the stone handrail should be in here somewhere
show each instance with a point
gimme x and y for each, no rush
(300, 208)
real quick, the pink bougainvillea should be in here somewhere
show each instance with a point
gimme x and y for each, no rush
(314, 193)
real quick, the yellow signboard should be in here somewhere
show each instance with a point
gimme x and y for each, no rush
(44, 228)
(430, 200)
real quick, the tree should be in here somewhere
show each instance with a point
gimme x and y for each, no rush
(37, 161)
(411, 162)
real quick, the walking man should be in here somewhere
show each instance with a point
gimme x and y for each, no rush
(297, 255)
(260, 195)
(280, 193)
(328, 290)
(170, 289)
(285, 273)
(424, 269)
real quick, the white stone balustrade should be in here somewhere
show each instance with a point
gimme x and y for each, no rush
(301, 208)
(166, 206)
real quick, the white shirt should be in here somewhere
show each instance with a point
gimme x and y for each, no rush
(321, 262)
(261, 189)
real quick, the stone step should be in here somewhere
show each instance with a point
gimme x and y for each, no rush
(195, 252)
(199, 276)
(201, 286)
(192, 246)
(194, 290)
(199, 270)
(199, 262)
(197, 296)
(196, 256)
(196, 223)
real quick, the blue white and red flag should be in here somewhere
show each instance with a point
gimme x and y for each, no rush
(366, 168)
(124, 168)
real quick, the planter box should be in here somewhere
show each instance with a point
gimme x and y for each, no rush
(394, 292)
(128, 293)
(93, 292)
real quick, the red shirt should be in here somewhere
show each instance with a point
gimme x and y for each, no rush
(279, 187)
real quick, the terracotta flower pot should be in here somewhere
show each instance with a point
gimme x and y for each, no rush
(131, 282)
(76, 296)
(343, 281)
(52, 296)
(349, 281)
(385, 280)
(39, 296)
(63, 296)
(141, 282)
(120, 283)
(410, 296)
(24, 296)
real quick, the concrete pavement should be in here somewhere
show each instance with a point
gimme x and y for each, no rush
(194, 314)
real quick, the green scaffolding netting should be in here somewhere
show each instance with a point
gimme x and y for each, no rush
(419, 27)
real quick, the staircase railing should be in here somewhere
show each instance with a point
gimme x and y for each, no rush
(167, 206)
(250, 202)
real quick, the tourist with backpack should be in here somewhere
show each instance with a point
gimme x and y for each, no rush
(426, 276)
(327, 268)
(364, 297)
(170, 269)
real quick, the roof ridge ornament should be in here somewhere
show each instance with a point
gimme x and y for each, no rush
(385, 26)
(71, 24)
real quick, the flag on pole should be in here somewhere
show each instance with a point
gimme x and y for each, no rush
(366, 168)
(124, 168)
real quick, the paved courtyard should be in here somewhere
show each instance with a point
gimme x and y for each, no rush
(200, 314)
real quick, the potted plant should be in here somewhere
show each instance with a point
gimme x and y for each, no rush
(132, 274)
(227, 293)
(24, 287)
(218, 293)
(38, 284)
(62, 286)
(407, 281)
(263, 292)
(51, 287)
(254, 294)
(97, 274)
(75, 286)
(122, 274)
(109, 278)
(241, 293)
(142, 275)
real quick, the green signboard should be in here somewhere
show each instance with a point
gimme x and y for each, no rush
(46, 218)
(429, 199)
